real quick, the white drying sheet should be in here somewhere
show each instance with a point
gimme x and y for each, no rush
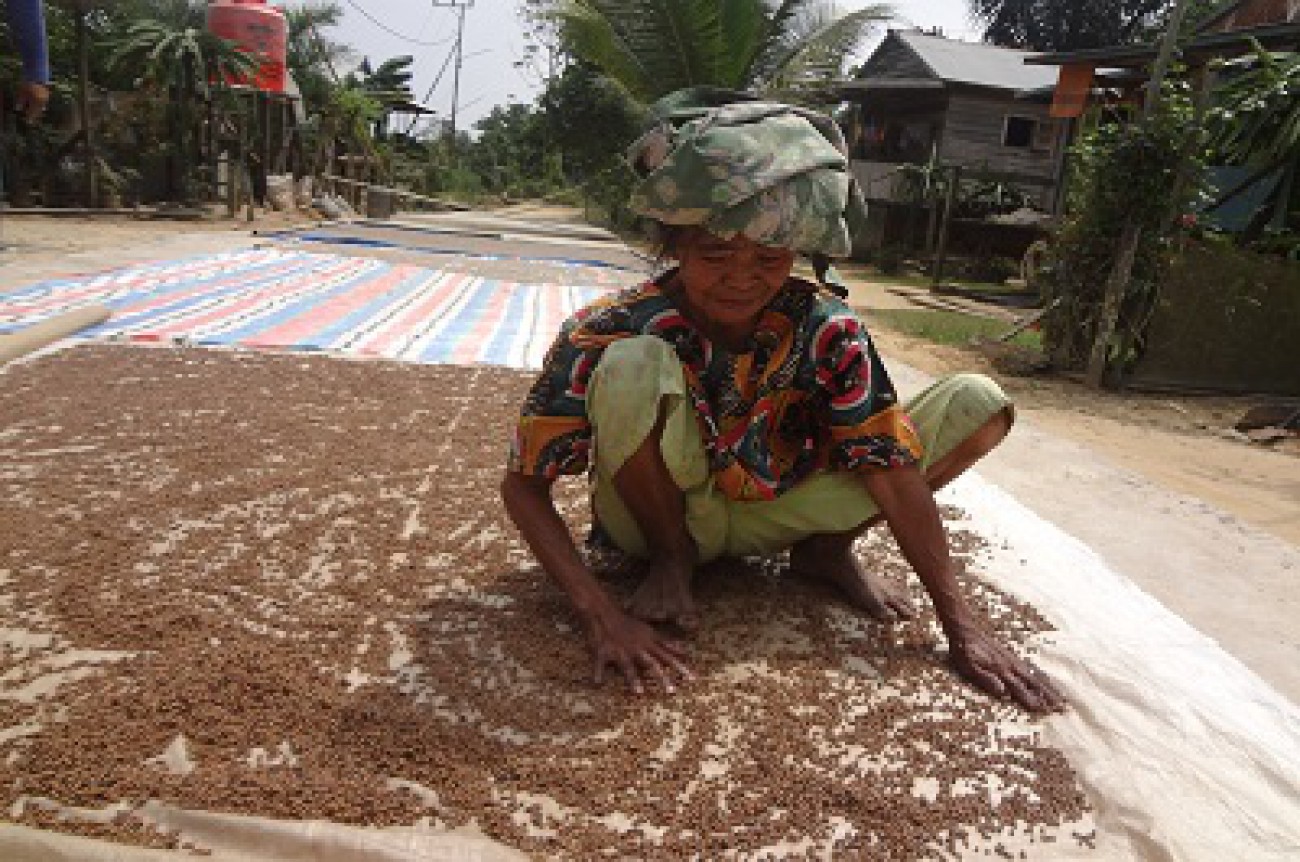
(1185, 752)
(236, 838)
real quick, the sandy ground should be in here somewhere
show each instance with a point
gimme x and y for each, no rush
(1177, 442)
(37, 247)
(1208, 526)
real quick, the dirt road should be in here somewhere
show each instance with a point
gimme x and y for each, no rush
(1177, 442)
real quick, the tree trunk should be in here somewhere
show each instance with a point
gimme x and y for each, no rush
(1131, 235)
(1116, 286)
(949, 203)
(211, 143)
(172, 115)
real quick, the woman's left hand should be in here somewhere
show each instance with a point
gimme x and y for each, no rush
(988, 664)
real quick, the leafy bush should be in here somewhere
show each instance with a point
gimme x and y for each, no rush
(1283, 243)
(456, 182)
(980, 199)
(1147, 173)
(889, 260)
(993, 269)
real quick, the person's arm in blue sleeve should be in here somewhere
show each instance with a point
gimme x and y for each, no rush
(27, 18)
(27, 21)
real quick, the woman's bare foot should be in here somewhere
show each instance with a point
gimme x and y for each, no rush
(831, 559)
(665, 596)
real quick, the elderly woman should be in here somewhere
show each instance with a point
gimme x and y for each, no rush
(731, 409)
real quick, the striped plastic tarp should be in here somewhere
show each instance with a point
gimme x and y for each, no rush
(290, 300)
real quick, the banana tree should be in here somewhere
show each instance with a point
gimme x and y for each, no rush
(349, 117)
(1257, 124)
(314, 59)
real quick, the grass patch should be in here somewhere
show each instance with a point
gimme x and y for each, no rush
(977, 288)
(951, 327)
(862, 272)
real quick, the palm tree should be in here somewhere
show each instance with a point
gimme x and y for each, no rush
(178, 55)
(314, 59)
(186, 56)
(389, 86)
(654, 47)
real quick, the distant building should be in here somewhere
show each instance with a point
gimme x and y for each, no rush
(921, 97)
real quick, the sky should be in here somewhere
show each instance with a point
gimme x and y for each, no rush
(494, 43)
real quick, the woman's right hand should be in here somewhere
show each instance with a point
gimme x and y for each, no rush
(636, 650)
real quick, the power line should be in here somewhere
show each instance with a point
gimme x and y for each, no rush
(433, 6)
(390, 31)
(424, 28)
(460, 6)
(437, 79)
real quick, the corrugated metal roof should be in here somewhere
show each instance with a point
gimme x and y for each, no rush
(976, 63)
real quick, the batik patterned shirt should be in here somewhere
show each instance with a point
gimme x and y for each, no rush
(810, 395)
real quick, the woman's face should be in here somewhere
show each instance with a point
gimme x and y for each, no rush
(728, 282)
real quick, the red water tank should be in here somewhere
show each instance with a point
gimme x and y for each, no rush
(259, 29)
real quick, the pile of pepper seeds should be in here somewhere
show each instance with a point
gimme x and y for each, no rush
(284, 586)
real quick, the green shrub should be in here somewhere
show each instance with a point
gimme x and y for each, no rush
(993, 269)
(889, 260)
(1145, 173)
(951, 328)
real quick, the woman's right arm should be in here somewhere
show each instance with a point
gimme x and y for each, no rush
(636, 649)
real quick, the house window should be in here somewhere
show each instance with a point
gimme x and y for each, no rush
(1028, 133)
(1019, 132)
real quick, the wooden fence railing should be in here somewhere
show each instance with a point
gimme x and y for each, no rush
(376, 201)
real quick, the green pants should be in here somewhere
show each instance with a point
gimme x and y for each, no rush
(636, 375)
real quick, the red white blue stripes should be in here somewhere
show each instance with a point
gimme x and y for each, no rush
(289, 300)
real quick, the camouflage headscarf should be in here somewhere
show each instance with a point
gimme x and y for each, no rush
(731, 164)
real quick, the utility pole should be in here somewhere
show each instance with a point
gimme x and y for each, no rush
(1166, 56)
(459, 52)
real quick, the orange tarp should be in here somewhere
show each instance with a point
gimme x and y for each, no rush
(1072, 89)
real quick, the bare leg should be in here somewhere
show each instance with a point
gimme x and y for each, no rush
(659, 508)
(830, 556)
